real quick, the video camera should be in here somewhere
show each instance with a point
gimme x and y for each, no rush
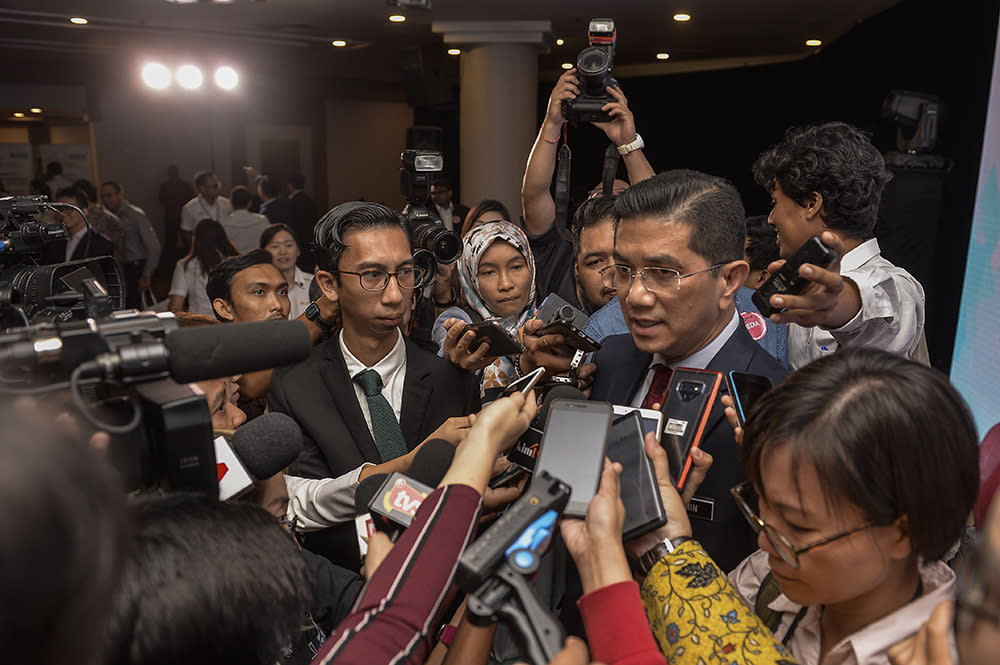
(32, 293)
(593, 69)
(433, 242)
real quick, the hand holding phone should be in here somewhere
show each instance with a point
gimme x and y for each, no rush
(502, 343)
(745, 389)
(787, 280)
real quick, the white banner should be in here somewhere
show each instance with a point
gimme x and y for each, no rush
(15, 168)
(75, 159)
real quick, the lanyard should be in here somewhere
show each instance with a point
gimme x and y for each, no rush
(205, 208)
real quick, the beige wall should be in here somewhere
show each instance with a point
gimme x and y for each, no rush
(364, 140)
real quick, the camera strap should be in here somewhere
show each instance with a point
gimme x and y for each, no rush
(562, 187)
(611, 158)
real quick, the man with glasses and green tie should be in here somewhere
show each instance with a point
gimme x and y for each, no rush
(367, 395)
(678, 263)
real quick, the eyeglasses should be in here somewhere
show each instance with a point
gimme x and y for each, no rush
(376, 280)
(657, 280)
(291, 525)
(744, 494)
(972, 590)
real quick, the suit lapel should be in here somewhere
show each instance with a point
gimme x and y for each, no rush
(417, 391)
(734, 355)
(633, 374)
(339, 384)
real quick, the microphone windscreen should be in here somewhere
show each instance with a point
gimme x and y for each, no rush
(212, 352)
(431, 462)
(366, 491)
(267, 444)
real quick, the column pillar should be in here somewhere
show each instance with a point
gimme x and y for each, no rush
(498, 105)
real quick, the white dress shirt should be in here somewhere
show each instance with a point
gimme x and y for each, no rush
(73, 241)
(198, 209)
(298, 294)
(697, 360)
(392, 369)
(891, 315)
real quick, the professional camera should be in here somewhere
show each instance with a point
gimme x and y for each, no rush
(31, 293)
(433, 242)
(593, 69)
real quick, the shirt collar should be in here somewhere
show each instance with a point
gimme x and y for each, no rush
(386, 367)
(704, 355)
(857, 257)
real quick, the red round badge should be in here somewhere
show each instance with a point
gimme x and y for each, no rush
(756, 325)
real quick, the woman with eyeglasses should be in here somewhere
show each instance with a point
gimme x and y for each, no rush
(497, 277)
(861, 471)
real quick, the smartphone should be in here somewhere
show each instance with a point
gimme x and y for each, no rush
(556, 308)
(640, 494)
(573, 448)
(502, 343)
(686, 409)
(525, 383)
(652, 420)
(574, 337)
(746, 389)
(787, 279)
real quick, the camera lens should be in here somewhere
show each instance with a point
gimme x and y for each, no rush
(592, 61)
(565, 313)
(444, 244)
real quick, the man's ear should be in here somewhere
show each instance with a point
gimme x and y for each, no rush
(762, 276)
(814, 207)
(734, 274)
(223, 309)
(328, 284)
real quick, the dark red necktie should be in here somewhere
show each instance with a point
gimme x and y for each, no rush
(658, 386)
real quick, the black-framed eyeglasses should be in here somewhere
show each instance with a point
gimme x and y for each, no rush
(972, 590)
(744, 495)
(658, 280)
(376, 280)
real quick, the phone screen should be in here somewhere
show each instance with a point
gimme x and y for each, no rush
(573, 447)
(745, 390)
(640, 494)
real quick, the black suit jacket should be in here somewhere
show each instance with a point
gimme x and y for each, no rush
(91, 244)
(716, 520)
(302, 218)
(319, 395)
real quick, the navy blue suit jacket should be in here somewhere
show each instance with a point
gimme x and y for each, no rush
(716, 520)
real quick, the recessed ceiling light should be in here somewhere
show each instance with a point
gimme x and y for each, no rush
(190, 77)
(226, 78)
(339, 42)
(78, 20)
(397, 18)
(662, 56)
(567, 65)
(681, 17)
(454, 51)
(18, 115)
(560, 41)
(35, 109)
(814, 42)
(156, 76)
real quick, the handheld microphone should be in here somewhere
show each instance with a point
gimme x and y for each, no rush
(234, 479)
(397, 500)
(525, 451)
(268, 444)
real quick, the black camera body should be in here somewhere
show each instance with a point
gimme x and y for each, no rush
(432, 242)
(593, 70)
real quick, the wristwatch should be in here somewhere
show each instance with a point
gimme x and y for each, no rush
(313, 314)
(657, 552)
(636, 144)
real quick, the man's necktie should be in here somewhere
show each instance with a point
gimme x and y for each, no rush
(385, 429)
(658, 386)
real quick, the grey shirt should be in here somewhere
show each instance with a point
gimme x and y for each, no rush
(140, 239)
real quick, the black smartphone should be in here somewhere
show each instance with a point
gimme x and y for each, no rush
(787, 279)
(502, 343)
(640, 495)
(555, 308)
(686, 409)
(573, 448)
(573, 336)
(746, 389)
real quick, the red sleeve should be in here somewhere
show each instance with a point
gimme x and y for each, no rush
(394, 617)
(616, 625)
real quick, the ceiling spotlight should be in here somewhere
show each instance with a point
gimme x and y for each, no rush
(397, 18)
(339, 43)
(190, 77)
(78, 20)
(18, 115)
(682, 17)
(567, 65)
(226, 78)
(662, 56)
(156, 76)
(814, 42)
(560, 41)
(454, 51)
(35, 109)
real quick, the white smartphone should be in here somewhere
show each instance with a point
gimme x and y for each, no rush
(652, 421)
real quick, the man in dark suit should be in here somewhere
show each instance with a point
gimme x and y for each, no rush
(368, 395)
(83, 243)
(678, 265)
(302, 218)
